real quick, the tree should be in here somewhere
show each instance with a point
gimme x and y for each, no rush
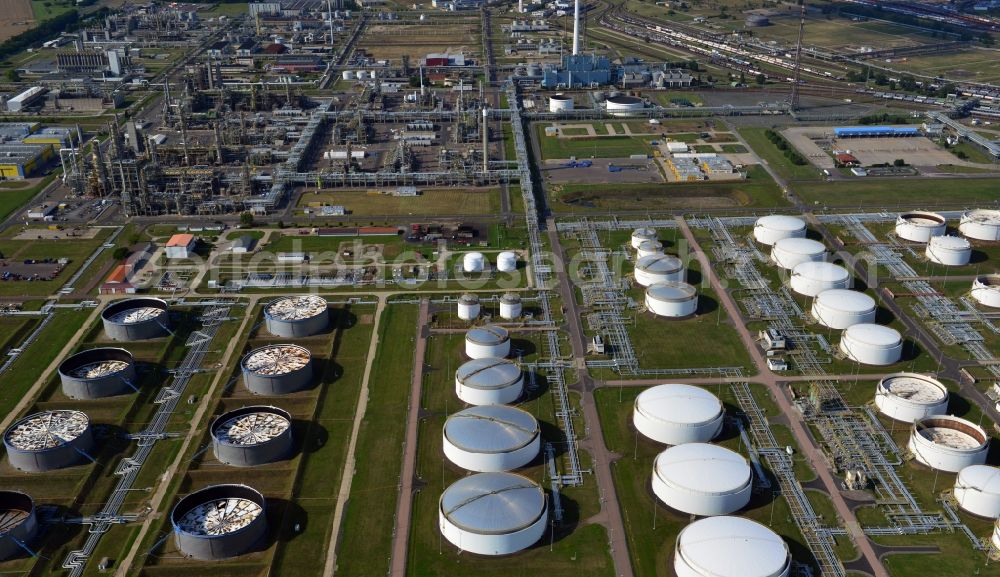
(121, 253)
(899, 162)
(13, 76)
(246, 219)
(761, 79)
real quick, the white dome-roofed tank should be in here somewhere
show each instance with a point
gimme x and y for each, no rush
(641, 235)
(981, 224)
(657, 268)
(468, 307)
(920, 226)
(672, 299)
(977, 490)
(949, 250)
(473, 262)
(489, 341)
(730, 547)
(702, 479)
(986, 290)
(841, 308)
(676, 414)
(872, 344)
(560, 102)
(493, 513)
(621, 105)
(507, 261)
(650, 247)
(948, 443)
(772, 228)
(296, 316)
(909, 397)
(489, 381)
(811, 278)
(788, 253)
(510, 306)
(491, 438)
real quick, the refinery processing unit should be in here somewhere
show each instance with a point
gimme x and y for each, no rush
(567, 288)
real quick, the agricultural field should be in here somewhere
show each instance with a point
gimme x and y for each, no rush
(392, 41)
(19, 15)
(358, 203)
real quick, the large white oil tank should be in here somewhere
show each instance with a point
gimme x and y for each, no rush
(468, 307)
(772, 228)
(872, 344)
(675, 414)
(621, 105)
(981, 224)
(489, 381)
(948, 443)
(672, 299)
(510, 306)
(977, 490)
(811, 278)
(657, 268)
(491, 438)
(920, 226)
(949, 250)
(347, 75)
(702, 479)
(493, 513)
(641, 235)
(986, 290)
(489, 341)
(841, 308)
(650, 247)
(730, 547)
(473, 262)
(560, 102)
(507, 261)
(909, 397)
(788, 253)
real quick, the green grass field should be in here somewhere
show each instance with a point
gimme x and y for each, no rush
(13, 198)
(775, 158)
(45, 9)
(597, 147)
(77, 250)
(899, 193)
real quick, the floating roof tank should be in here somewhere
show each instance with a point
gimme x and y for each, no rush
(949, 250)
(702, 479)
(97, 373)
(18, 523)
(981, 224)
(493, 513)
(977, 490)
(277, 369)
(920, 226)
(772, 228)
(491, 438)
(623, 104)
(909, 397)
(811, 278)
(657, 268)
(948, 443)
(730, 547)
(872, 344)
(49, 440)
(468, 307)
(489, 341)
(252, 436)
(676, 414)
(136, 319)
(219, 522)
(489, 381)
(641, 235)
(672, 299)
(787, 253)
(297, 316)
(510, 306)
(986, 290)
(842, 308)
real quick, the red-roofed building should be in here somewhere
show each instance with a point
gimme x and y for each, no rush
(846, 159)
(181, 246)
(117, 282)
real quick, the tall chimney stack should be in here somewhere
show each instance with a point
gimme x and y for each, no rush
(486, 140)
(576, 27)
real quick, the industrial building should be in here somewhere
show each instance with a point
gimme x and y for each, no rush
(277, 369)
(219, 522)
(49, 440)
(491, 438)
(98, 373)
(20, 161)
(180, 246)
(296, 316)
(493, 513)
(136, 319)
(19, 102)
(876, 131)
(251, 436)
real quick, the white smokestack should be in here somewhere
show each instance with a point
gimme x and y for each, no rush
(520, 6)
(576, 27)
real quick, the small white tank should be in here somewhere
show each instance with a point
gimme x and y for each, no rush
(920, 226)
(657, 268)
(473, 262)
(788, 253)
(811, 278)
(347, 75)
(650, 247)
(641, 235)
(672, 299)
(510, 306)
(507, 261)
(841, 308)
(770, 229)
(871, 344)
(986, 290)
(949, 250)
(560, 102)
(468, 307)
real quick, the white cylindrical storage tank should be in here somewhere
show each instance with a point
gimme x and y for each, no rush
(909, 397)
(872, 344)
(493, 513)
(347, 75)
(650, 247)
(841, 308)
(981, 224)
(811, 278)
(489, 341)
(919, 226)
(489, 381)
(986, 290)
(468, 307)
(641, 235)
(510, 306)
(560, 102)
(949, 250)
(672, 299)
(507, 261)
(772, 228)
(977, 490)
(702, 479)
(676, 414)
(473, 262)
(621, 105)
(730, 547)
(491, 438)
(788, 253)
(948, 443)
(659, 268)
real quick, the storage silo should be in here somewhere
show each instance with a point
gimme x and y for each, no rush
(842, 308)
(491, 438)
(97, 373)
(468, 307)
(277, 369)
(641, 235)
(811, 278)
(909, 397)
(347, 75)
(977, 490)
(489, 381)
(986, 290)
(488, 341)
(622, 104)
(219, 522)
(949, 250)
(251, 436)
(872, 344)
(772, 228)
(658, 268)
(510, 306)
(18, 523)
(297, 316)
(473, 262)
(948, 443)
(675, 414)
(49, 440)
(650, 247)
(560, 102)
(788, 253)
(136, 319)
(672, 299)
(507, 261)
(493, 513)
(981, 224)
(702, 479)
(919, 226)
(730, 547)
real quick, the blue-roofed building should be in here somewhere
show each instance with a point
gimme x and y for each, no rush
(579, 71)
(876, 131)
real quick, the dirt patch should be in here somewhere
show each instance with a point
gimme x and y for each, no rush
(17, 18)
(49, 234)
(366, 319)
